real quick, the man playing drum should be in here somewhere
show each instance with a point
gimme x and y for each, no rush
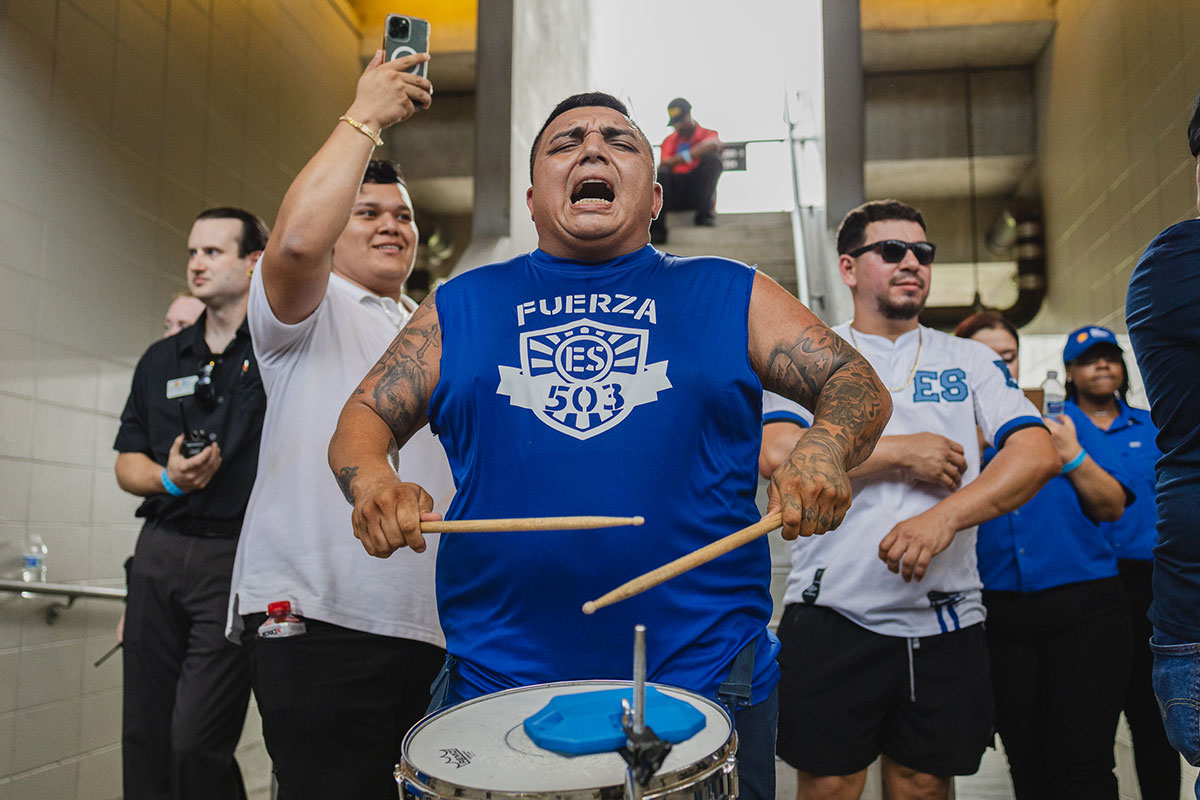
(599, 375)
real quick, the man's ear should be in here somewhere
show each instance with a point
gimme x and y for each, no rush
(529, 201)
(658, 199)
(252, 259)
(846, 270)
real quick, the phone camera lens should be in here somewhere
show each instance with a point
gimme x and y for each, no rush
(398, 28)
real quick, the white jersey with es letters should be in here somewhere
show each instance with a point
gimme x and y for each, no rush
(958, 384)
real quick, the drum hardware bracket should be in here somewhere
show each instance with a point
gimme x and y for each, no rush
(644, 752)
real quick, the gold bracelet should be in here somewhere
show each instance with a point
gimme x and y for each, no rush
(367, 132)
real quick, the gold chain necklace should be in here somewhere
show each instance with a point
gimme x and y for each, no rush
(912, 373)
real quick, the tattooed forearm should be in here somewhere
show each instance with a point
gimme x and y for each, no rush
(344, 477)
(850, 405)
(401, 382)
(799, 369)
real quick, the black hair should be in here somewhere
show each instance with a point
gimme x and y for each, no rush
(1113, 353)
(380, 170)
(852, 231)
(1193, 128)
(985, 321)
(585, 100)
(254, 230)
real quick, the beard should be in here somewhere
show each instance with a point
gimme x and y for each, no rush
(905, 309)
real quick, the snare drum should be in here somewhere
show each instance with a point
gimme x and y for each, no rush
(479, 750)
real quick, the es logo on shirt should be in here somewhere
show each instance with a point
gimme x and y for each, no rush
(583, 378)
(1009, 381)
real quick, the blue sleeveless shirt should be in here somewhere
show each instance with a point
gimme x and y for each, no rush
(621, 387)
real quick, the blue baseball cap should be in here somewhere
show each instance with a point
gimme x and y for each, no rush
(1084, 339)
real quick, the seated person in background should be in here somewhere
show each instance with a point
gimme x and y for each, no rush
(688, 170)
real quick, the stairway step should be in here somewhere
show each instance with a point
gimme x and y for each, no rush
(762, 239)
(749, 220)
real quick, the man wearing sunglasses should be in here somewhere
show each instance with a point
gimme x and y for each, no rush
(883, 650)
(186, 687)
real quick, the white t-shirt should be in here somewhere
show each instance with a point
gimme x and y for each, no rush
(297, 543)
(959, 384)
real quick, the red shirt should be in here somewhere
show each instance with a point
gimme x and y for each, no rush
(671, 147)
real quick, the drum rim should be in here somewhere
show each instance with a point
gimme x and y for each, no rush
(660, 785)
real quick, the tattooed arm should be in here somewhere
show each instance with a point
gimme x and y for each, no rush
(798, 356)
(386, 409)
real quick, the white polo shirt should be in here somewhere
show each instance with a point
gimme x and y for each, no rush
(297, 543)
(959, 384)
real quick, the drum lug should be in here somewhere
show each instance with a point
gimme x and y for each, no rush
(730, 769)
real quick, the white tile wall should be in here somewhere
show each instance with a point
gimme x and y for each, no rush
(120, 120)
(1112, 149)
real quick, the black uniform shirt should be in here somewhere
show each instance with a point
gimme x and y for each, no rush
(167, 375)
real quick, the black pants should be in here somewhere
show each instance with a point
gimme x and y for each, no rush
(1157, 762)
(1060, 666)
(336, 705)
(695, 191)
(186, 686)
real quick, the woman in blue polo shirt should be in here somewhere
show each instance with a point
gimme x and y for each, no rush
(1057, 625)
(1097, 383)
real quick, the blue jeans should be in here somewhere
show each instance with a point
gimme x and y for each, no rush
(1176, 679)
(756, 727)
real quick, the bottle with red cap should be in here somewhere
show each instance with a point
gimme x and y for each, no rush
(280, 622)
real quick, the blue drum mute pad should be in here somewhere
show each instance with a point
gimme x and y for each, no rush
(590, 722)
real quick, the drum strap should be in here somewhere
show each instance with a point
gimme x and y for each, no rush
(735, 690)
(441, 685)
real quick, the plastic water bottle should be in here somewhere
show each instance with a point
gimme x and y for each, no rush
(1054, 394)
(280, 622)
(33, 569)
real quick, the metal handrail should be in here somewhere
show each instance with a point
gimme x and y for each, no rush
(70, 590)
(739, 141)
(798, 246)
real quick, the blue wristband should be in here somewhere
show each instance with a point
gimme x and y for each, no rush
(170, 486)
(1074, 462)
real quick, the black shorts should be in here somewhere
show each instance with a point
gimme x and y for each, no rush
(848, 695)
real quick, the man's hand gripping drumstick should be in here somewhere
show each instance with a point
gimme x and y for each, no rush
(383, 413)
(809, 492)
(798, 357)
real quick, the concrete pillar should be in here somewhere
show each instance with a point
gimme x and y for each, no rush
(843, 108)
(530, 55)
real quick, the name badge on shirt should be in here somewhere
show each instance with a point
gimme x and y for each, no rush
(181, 387)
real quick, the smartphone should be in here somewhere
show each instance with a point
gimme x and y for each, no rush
(406, 36)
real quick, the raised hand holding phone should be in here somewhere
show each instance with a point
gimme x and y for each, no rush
(388, 93)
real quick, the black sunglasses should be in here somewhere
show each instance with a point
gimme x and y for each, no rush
(892, 251)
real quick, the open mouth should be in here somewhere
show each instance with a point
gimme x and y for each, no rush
(393, 249)
(592, 191)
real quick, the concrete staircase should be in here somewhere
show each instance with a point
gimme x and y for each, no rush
(762, 239)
